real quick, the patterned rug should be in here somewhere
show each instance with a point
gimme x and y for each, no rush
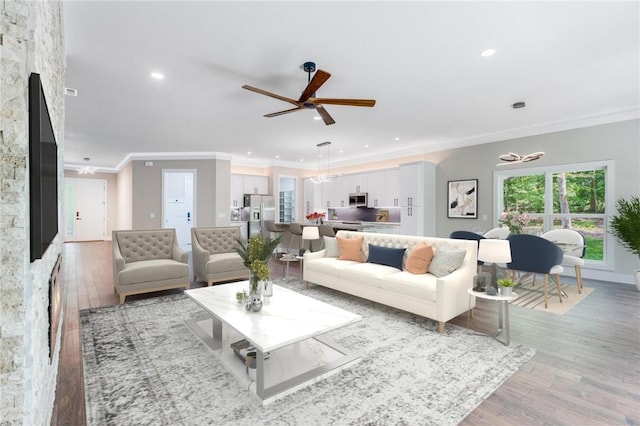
(531, 295)
(143, 366)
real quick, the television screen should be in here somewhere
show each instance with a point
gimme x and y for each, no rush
(43, 172)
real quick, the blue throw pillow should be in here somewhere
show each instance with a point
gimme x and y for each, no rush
(386, 256)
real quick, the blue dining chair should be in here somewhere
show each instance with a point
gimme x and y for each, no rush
(468, 235)
(530, 253)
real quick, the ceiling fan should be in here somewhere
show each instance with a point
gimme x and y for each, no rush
(307, 99)
(512, 158)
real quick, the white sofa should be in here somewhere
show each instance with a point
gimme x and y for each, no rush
(440, 299)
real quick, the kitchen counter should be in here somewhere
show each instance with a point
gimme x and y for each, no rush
(362, 226)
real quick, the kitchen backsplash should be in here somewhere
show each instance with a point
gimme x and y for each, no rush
(364, 214)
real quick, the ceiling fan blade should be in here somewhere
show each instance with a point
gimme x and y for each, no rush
(328, 120)
(318, 80)
(275, 114)
(273, 95)
(347, 102)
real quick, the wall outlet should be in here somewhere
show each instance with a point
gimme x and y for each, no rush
(152, 215)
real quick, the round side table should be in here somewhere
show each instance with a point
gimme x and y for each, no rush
(503, 312)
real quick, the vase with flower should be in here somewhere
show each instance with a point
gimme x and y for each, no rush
(514, 220)
(255, 256)
(316, 217)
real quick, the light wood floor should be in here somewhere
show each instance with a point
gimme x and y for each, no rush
(586, 370)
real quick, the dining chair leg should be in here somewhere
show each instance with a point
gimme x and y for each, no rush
(557, 280)
(579, 278)
(545, 280)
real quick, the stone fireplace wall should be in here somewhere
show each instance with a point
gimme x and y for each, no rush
(31, 40)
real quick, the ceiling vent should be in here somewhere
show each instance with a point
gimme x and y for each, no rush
(70, 92)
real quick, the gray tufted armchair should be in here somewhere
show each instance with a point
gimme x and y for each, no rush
(148, 260)
(214, 255)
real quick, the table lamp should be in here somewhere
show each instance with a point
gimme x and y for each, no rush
(310, 233)
(493, 252)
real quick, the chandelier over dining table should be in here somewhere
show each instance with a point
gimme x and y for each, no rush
(326, 177)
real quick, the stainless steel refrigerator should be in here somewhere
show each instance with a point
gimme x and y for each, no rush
(258, 209)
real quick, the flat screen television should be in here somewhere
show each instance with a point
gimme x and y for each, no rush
(43, 172)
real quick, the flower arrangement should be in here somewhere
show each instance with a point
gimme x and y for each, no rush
(255, 255)
(515, 221)
(317, 216)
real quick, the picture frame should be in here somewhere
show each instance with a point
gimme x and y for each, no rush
(462, 199)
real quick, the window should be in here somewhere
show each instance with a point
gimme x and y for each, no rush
(574, 196)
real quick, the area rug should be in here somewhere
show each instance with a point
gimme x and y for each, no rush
(143, 366)
(531, 296)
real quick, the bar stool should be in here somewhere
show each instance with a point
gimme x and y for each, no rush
(325, 231)
(275, 229)
(295, 229)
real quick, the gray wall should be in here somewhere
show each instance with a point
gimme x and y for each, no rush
(619, 142)
(212, 197)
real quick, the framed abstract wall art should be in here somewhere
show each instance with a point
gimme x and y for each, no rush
(462, 199)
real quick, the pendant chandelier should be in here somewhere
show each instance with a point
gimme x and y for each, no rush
(322, 178)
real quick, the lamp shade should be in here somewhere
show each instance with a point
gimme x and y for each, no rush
(494, 251)
(310, 233)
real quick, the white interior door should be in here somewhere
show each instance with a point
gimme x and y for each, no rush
(86, 209)
(178, 202)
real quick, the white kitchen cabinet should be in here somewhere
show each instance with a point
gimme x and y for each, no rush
(417, 199)
(377, 194)
(237, 191)
(358, 182)
(392, 198)
(311, 198)
(336, 193)
(247, 184)
(255, 184)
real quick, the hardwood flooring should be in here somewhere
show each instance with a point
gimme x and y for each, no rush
(586, 370)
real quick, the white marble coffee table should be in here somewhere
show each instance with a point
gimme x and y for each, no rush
(289, 329)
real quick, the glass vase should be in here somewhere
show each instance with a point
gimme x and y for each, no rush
(255, 293)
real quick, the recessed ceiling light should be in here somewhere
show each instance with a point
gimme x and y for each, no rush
(488, 52)
(317, 118)
(157, 75)
(397, 139)
(341, 151)
(302, 160)
(248, 152)
(277, 156)
(366, 146)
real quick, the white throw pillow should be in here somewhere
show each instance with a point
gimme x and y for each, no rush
(445, 261)
(330, 247)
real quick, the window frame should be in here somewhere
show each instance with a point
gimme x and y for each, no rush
(499, 176)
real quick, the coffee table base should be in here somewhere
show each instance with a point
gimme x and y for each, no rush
(287, 369)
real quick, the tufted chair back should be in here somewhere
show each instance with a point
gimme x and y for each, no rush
(141, 245)
(217, 240)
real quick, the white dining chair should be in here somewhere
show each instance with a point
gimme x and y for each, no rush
(498, 233)
(574, 248)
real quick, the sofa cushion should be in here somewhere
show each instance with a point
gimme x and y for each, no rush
(445, 261)
(328, 265)
(421, 286)
(224, 262)
(330, 247)
(350, 249)
(419, 259)
(366, 273)
(153, 270)
(386, 256)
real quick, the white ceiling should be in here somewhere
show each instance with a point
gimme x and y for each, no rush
(574, 64)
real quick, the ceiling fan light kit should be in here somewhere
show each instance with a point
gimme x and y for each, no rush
(308, 100)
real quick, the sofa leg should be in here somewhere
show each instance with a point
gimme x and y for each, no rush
(122, 296)
(441, 326)
(209, 283)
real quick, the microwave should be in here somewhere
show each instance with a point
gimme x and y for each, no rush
(359, 199)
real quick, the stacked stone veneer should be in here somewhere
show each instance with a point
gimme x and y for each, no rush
(30, 41)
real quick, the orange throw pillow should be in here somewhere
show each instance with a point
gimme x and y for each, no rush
(350, 249)
(419, 259)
